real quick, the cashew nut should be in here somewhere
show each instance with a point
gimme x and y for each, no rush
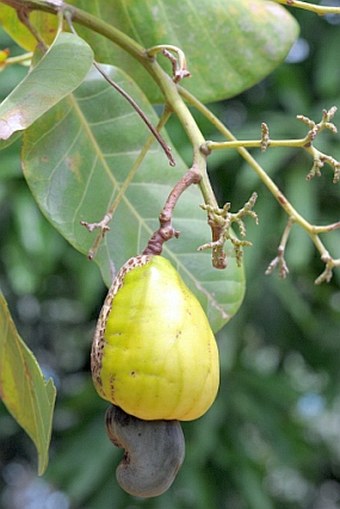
(154, 452)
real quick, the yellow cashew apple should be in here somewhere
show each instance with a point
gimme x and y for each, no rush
(154, 354)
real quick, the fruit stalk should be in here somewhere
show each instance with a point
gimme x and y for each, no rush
(166, 231)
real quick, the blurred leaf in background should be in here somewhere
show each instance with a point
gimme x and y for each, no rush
(24, 391)
(271, 440)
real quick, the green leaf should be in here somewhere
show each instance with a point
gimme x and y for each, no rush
(23, 389)
(58, 73)
(45, 24)
(76, 159)
(229, 44)
(7, 143)
(10, 160)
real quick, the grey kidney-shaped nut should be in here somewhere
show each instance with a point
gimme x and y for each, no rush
(154, 452)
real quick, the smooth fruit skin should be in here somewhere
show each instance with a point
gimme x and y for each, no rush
(153, 452)
(154, 354)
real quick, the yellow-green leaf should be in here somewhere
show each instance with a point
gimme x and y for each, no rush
(23, 388)
(43, 22)
(60, 71)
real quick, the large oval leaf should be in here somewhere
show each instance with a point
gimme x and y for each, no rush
(23, 389)
(56, 75)
(75, 160)
(230, 44)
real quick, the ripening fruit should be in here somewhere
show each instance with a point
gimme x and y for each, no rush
(154, 354)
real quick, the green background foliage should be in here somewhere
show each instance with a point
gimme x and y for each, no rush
(271, 440)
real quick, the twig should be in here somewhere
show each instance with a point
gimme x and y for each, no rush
(140, 112)
(166, 231)
(279, 260)
(265, 138)
(103, 227)
(23, 59)
(103, 224)
(23, 15)
(327, 274)
(220, 221)
(321, 10)
(179, 64)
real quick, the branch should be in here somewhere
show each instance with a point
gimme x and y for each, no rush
(306, 143)
(312, 230)
(5, 59)
(321, 10)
